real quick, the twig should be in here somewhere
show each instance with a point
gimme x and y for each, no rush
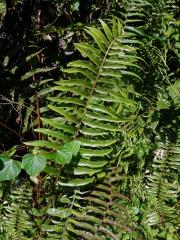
(10, 129)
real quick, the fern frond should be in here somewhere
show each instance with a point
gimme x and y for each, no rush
(86, 106)
(17, 222)
(90, 214)
(162, 184)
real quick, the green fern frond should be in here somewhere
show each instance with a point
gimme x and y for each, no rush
(162, 184)
(16, 219)
(87, 104)
(90, 214)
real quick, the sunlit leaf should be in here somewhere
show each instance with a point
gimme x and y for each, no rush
(10, 170)
(33, 164)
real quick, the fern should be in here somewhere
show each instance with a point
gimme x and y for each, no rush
(163, 183)
(90, 214)
(94, 106)
(104, 103)
(100, 115)
(86, 110)
(97, 105)
(16, 219)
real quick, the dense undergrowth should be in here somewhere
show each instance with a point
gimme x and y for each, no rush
(90, 137)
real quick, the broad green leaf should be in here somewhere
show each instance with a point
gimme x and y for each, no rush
(38, 212)
(103, 126)
(119, 27)
(100, 35)
(62, 156)
(52, 133)
(4, 156)
(58, 125)
(91, 164)
(10, 170)
(107, 30)
(135, 14)
(95, 153)
(2, 8)
(76, 182)
(70, 100)
(96, 143)
(51, 229)
(42, 143)
(104, 118)
(87, 53)
(75, 90)
(132, 41)
(111, 73)
(119, 64)
(93, 50)
(83, 64)
(86, 217)
(131, 74)
(115, 28)
(76, 82)
(35, 71)
(33, 164)
(103, 109)
(96, 38)
(122, 48)
(93, 131)
(133, 29)
(163, 104)
(112, 99)
(81, 171)
(73, 147)
(174, 91)
(91, 76)
(62, 112)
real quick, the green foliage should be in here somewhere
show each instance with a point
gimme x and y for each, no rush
(106, 162)
(10, 168)
(16, 222)
(35, 162)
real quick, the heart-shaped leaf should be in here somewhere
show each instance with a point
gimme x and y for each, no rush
(4, 156)
(73, 147)
(62, 156)
(33, 164)
(10, 170)
(65, 154)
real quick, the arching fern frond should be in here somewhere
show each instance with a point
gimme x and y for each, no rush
(94, 105)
